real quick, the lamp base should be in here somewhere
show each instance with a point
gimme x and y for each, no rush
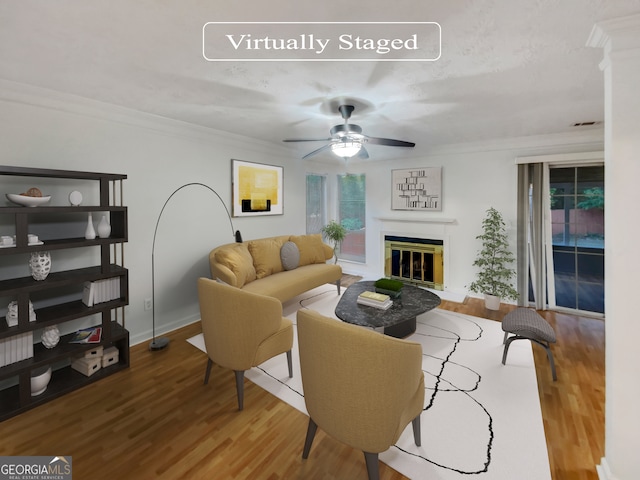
(158, 343)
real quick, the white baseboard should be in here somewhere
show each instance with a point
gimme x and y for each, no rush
(163, 329)
(449, 296)
(604, 472)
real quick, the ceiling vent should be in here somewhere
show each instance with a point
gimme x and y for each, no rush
(586, 124)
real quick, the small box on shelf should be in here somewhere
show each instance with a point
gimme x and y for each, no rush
(94, 352)
(110, 356)
(87, 366)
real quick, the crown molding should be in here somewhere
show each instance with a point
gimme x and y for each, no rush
(38, 97)
(623, 29)
(592, 139)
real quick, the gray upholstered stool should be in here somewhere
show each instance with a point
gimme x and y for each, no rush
(526, 324)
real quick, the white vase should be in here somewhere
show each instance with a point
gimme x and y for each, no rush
(40, 265)
(90, 232)
(491, 302)
(104, 229)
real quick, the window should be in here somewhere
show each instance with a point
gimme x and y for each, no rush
(577, 235)
(316, 203)
(352, 214)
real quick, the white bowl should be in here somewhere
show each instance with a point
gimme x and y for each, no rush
(39, 380)
(27, 201)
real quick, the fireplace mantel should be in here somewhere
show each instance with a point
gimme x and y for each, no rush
(417, 220)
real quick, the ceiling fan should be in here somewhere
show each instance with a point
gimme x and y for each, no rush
(347, 140)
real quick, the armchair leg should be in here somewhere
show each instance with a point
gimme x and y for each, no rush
(208, 372)
(338, 285)
(290, 364)
(417, 437)
(311, 433)
(373, 467)
(240, 388)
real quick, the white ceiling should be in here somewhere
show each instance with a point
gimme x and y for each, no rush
(508, 68)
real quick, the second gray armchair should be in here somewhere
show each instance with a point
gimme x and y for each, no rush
(360, 387)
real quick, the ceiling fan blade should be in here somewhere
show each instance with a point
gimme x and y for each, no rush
(307, 140)
(389, 142)
(363, 154)
(326, 147)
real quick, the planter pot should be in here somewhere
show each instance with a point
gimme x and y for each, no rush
(491, 302)
(39, 380)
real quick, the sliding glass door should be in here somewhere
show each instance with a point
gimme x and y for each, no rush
(575, 279)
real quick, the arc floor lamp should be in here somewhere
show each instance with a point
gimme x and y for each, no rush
(161, 342)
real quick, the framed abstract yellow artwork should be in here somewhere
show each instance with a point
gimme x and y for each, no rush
(257, 189)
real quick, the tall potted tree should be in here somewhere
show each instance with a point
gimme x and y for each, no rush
(334, 232)
(494, 260)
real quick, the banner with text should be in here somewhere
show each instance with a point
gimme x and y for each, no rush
(322, 41)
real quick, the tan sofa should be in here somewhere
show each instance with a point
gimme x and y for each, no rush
(268, 266)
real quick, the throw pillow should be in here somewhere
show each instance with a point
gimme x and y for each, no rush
(239, 261)
(290, 256)
(266, 256)
(311, 248)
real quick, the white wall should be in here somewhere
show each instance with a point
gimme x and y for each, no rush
(474, 178)
(39, 128)
(619, 39)
(42, 129)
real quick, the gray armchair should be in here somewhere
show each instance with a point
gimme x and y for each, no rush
(241, 329)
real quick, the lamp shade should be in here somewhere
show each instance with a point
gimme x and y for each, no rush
(346, 149)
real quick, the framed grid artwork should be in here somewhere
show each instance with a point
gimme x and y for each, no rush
(417, 189)
(257, 189)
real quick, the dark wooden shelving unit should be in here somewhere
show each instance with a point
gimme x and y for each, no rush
(17, 398)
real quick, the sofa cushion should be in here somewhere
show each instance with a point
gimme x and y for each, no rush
(311, 248)
(289, 256)
(266, 256)
(287, 284)
(239, 261)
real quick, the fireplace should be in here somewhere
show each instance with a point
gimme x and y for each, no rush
(414, 260)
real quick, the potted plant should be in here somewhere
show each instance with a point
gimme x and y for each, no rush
(335, 233)
(388, 286)
(494, 260)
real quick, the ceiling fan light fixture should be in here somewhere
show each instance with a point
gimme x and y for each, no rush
(346, 149)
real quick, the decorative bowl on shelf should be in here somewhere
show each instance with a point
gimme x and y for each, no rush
(27, 201)
(39, 380)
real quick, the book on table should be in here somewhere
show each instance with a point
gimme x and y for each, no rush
(376, 300)
(377, 297)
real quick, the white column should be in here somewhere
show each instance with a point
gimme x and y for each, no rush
(620, 39)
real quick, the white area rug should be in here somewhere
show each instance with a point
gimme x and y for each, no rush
(481, 419)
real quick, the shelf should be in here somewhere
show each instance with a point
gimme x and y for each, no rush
(417, 219)
(60, 227)
(51, 173)
(43, 356)
(60, 279)
(13, 210)
(61, 313)
(50, 245)
(63, 381)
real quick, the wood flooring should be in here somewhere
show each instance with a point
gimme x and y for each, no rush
(158, 420)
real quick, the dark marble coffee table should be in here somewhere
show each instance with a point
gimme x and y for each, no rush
(398, 321)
